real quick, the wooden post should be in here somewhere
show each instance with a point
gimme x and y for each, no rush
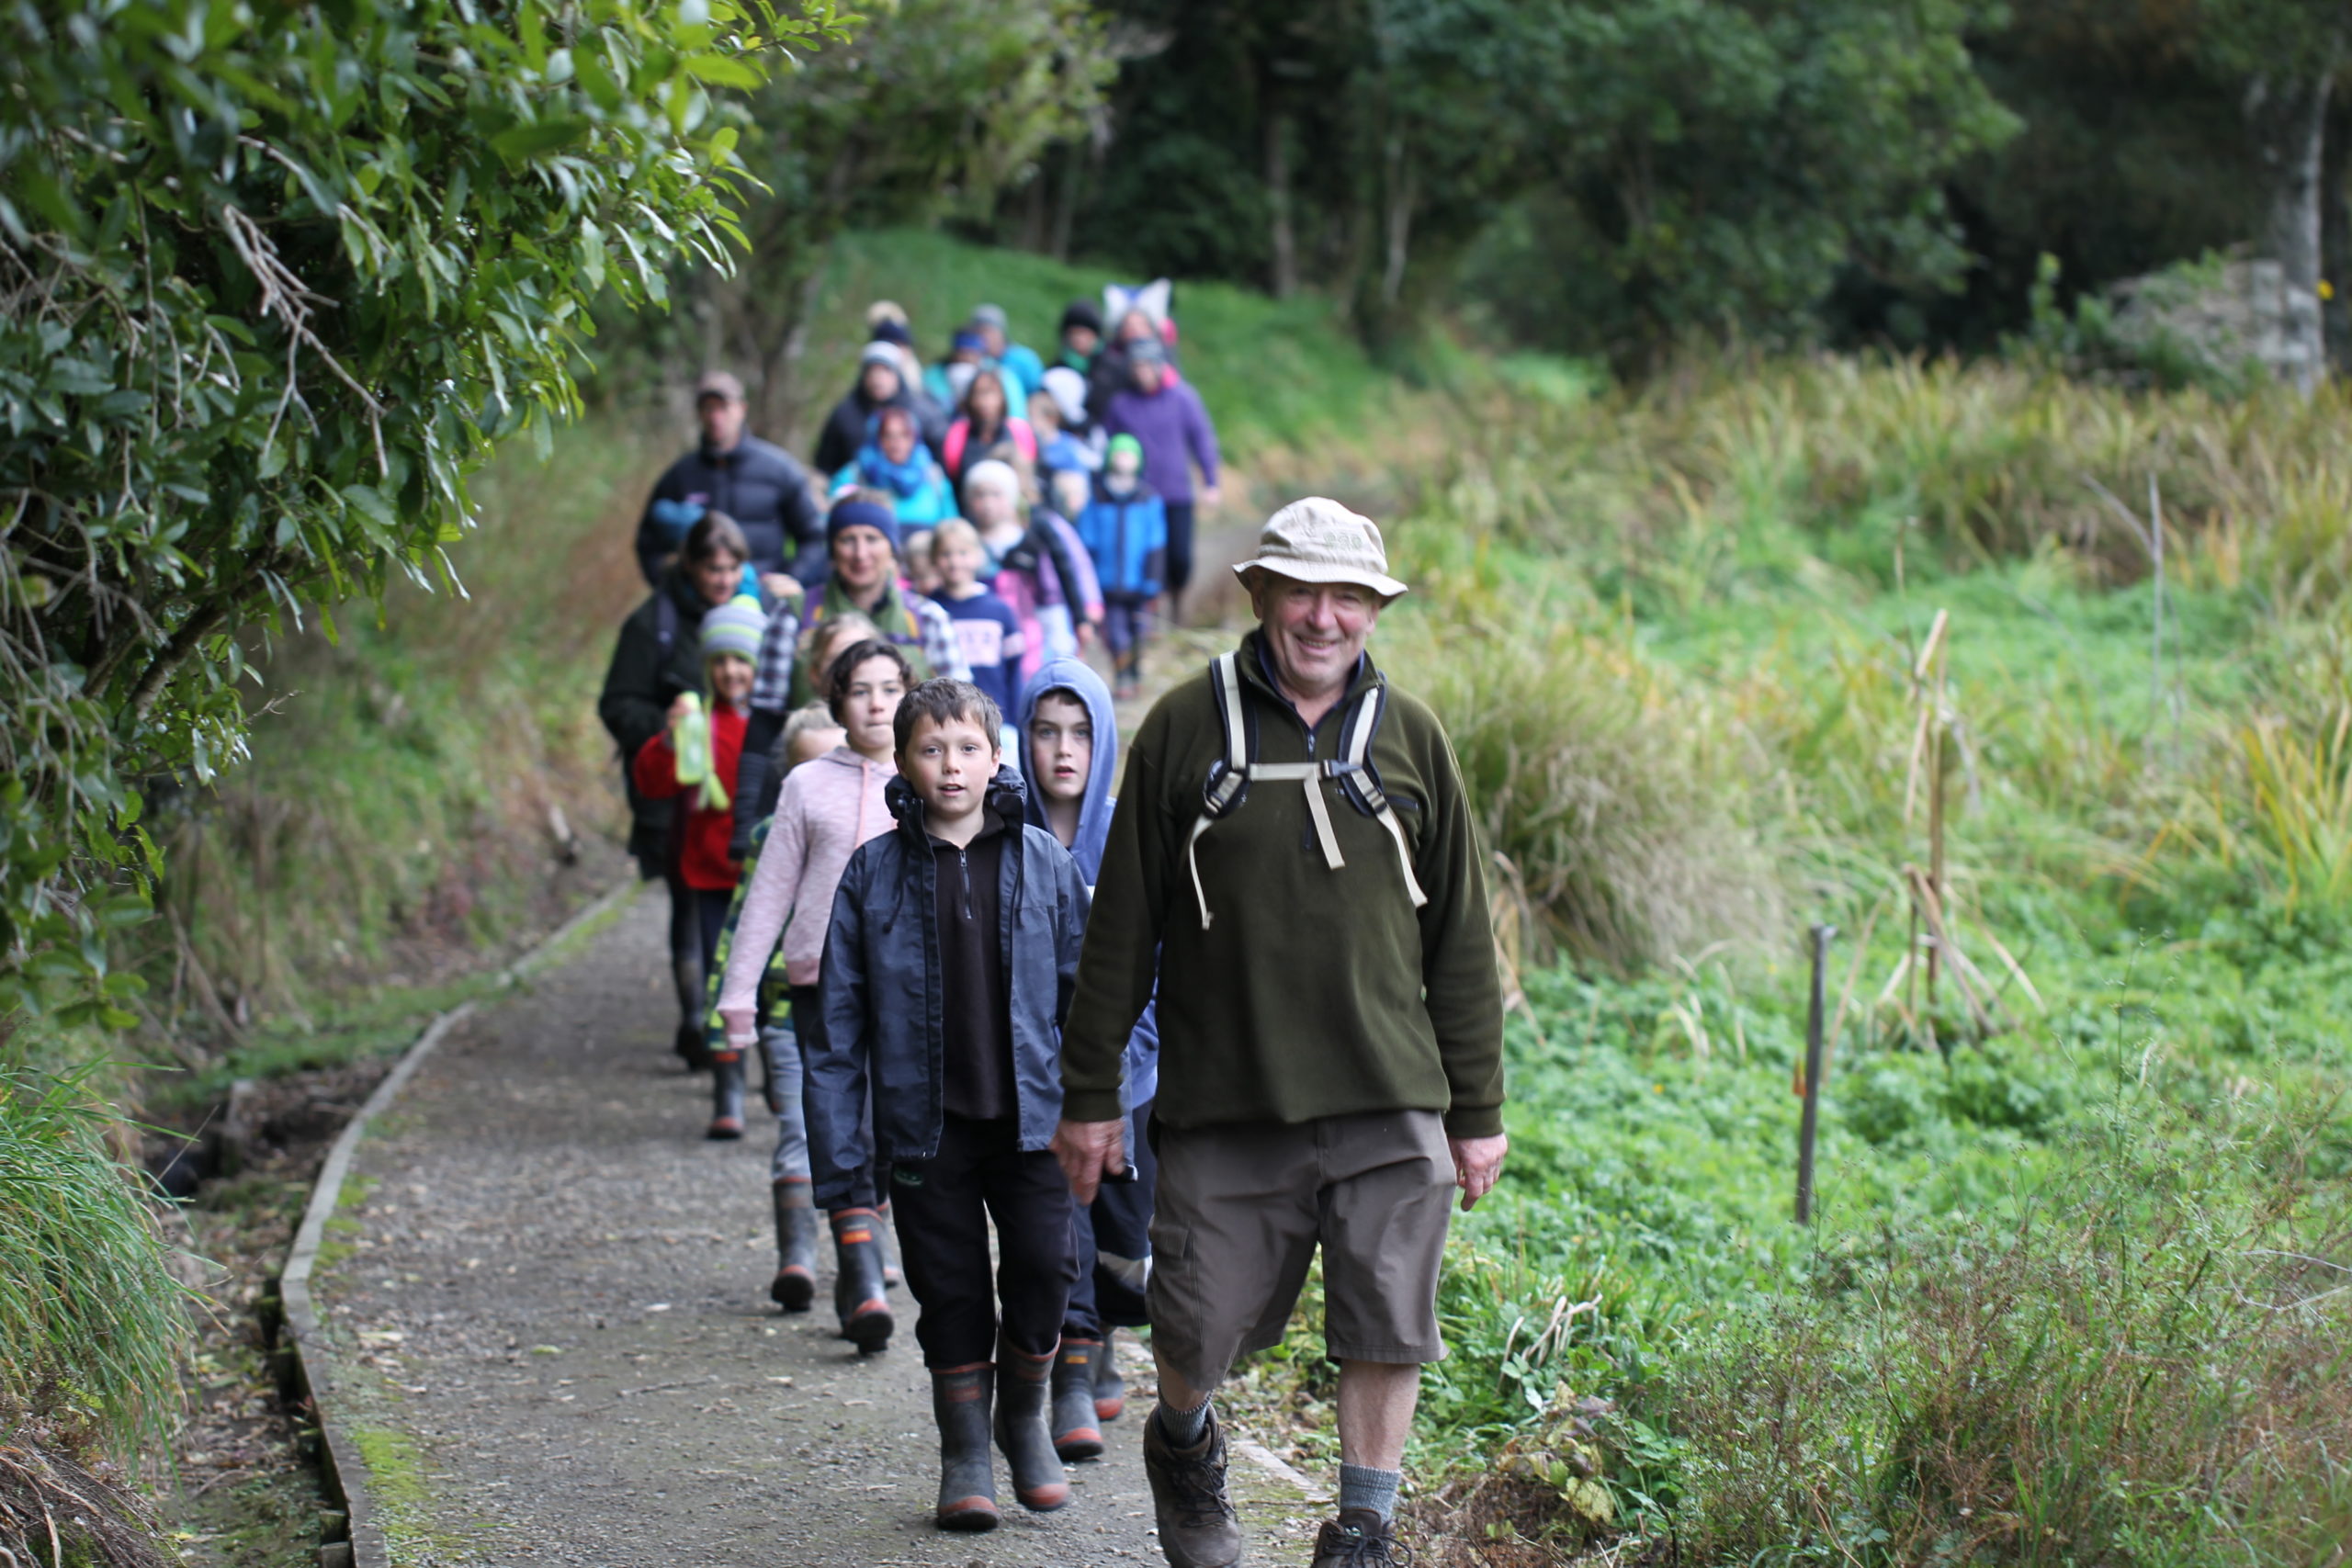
(1809, 1125)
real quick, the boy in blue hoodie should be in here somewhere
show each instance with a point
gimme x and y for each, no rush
(947, 970)
(1071, 735)
(1124, 527)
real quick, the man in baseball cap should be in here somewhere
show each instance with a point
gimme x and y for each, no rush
(761, 487)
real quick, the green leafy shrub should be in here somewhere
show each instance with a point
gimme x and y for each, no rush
(276, 278)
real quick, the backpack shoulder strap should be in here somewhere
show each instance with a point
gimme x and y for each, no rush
(1360, 781)
(665, 624)
(1228, 778)
(1229, 781)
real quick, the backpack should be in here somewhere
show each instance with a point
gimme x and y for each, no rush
(1230, 778)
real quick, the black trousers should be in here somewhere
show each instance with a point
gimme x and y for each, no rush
(942, 1206)
(687, 952)
(1118, 1223)
(871, 1186)
(1179, 559)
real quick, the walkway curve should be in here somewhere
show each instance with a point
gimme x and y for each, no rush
(545, 1297)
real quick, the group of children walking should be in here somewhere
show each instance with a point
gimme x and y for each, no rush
(1077, 478)
(887, 784)
(900, 957)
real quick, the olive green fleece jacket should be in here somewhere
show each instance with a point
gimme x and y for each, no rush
(1314, 992)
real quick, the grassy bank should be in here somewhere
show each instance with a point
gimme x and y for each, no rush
(2075, 1292)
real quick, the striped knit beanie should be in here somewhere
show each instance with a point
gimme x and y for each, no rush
(734, 628)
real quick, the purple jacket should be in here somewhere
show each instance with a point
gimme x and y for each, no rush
(1171, 424)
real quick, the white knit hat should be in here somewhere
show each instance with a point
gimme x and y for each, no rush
(1318, 540)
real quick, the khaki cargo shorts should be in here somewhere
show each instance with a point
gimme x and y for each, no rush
(1243, 1208)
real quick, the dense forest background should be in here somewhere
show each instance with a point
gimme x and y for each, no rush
(1597, 179)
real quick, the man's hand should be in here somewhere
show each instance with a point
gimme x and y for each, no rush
(781, 585)
(1477, 1162)
(1212, 497)
(1089, 1152)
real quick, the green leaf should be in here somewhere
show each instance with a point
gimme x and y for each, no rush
(537, 138)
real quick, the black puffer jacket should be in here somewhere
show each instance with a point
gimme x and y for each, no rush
(762, 487)
(658, 655)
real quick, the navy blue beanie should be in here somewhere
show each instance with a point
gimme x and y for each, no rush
(855, 513)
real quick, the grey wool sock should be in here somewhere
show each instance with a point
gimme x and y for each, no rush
(1183, 1428)
(1360, 1486)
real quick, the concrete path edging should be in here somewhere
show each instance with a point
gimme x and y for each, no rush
(343, 1468)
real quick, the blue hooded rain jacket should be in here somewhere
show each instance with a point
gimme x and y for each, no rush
(883, 1006)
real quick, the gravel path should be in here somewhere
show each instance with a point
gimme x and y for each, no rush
(548, 1295)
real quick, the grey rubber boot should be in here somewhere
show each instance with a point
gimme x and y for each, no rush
(1023, 1432)
(857, 1281)
(959, 1403)
(726, 1097)
(1109, 1388)
(1076, 1435)
(794, 1285)
(1198, 1528)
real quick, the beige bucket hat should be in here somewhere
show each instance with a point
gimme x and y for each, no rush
(1318, 540)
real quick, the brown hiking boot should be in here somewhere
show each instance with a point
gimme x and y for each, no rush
(1198, 1528)
(1359, 1539)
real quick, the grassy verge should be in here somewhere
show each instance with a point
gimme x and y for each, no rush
(2076, 1292)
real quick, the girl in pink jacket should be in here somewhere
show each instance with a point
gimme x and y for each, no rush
(827, 809)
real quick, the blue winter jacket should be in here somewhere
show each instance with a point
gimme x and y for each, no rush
(1139, 1079)
(1128, 536)
(880, 991)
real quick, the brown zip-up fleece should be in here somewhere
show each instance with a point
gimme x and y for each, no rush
(1314, 992)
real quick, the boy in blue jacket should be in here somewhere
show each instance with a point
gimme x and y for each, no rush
(1124, 527)
(947, 971)
(1071, 735)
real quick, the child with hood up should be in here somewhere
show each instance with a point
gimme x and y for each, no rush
(697, 751)
(1071, 752)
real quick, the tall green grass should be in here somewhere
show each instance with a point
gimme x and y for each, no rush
(2141, 1359)
(91, 1318)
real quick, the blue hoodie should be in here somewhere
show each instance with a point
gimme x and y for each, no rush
(1141, 1063)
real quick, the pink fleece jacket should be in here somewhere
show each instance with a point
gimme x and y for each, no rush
(829, 806)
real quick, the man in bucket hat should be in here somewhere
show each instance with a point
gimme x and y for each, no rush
(1293, 860)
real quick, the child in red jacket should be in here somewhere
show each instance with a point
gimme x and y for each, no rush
(731, 646)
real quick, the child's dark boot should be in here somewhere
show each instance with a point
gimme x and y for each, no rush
(1109, 1388)
(1024, 1431)
(725, 1096)
(890, 1275)
(1076, 1435)
(795, 1286)
(960, 1404)
(858, 1280)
